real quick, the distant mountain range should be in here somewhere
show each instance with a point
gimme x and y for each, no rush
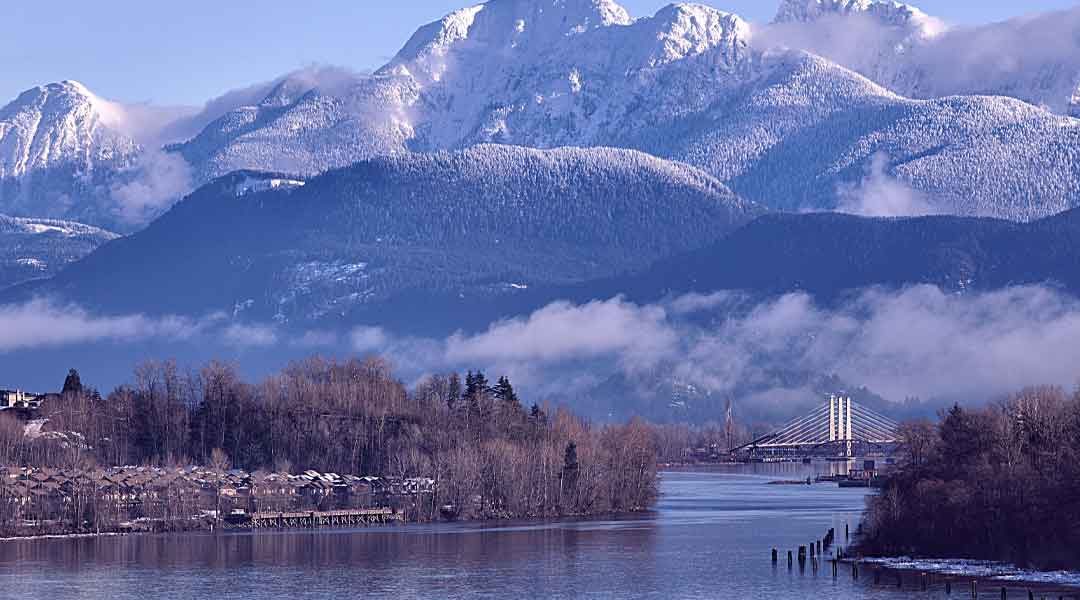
(429, 243)
(809, 112)
(520, 152)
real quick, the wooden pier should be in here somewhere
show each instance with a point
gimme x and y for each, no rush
(311, 520)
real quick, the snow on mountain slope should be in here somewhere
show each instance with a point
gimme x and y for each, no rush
(690, 83)
(307, 126)
(1034, 58)
(530, 72)
(66, 153)
(887, 12)
(38, 248)
(60, 125)
(804, 132)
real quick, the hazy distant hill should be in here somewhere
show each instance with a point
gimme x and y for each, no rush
(39, 248)
(829, 255)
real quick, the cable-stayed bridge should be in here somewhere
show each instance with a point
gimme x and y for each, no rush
(839, 427)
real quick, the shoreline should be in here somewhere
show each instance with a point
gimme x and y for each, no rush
(962, 572)
(480, 523)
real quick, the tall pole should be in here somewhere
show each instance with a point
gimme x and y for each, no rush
(847, 431)
(832, 418)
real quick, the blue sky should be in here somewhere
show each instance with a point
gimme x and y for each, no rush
(186, 52)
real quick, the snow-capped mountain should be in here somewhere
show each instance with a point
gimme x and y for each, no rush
(39, 248)
(1034, 58)
(66, 153)
(826, 107)
(691, 83)
(60, 125)
(382, 239)
(59, 148)
(902, 16)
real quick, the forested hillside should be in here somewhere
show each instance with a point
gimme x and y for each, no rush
(39, 248)
(829, 254)
(487, 222)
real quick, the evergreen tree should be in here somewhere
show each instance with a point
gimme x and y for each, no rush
(72, 383)
(504, 391)
(570, 472)
(481, 383)
(470, 385)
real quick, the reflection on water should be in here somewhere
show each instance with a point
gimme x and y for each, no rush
(709, 538)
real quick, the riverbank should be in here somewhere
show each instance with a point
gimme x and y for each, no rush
(961, 575)
(329, 521)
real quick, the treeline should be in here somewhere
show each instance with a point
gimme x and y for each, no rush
(712, 441)
(490, 455)
(1000, 483)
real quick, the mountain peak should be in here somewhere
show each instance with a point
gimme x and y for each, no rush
(59, 123)
(503, 25)
(889, 12)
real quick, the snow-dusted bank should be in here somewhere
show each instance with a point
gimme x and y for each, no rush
(979, 570)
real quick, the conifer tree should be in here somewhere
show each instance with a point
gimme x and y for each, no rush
(72, 383)
(504, 391)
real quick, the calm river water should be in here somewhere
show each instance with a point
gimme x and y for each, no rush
(710, 537)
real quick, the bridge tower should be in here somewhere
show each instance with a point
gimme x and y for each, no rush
(839, 425)
(840, 422)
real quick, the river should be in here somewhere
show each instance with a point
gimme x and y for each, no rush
(710, 537)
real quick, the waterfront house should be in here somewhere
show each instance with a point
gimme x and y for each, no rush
(18, 399)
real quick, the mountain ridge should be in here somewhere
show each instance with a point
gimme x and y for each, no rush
(489, 220)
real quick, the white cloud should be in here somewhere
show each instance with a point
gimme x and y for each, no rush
(919, 341)
(881, 195)
(40, 323)
(368, 339)
(250, 335)
(156, 181)
(563, 331)
(916, 342)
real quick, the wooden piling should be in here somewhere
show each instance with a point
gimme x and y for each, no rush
(948, 588)
(789, 559)
(775, 556)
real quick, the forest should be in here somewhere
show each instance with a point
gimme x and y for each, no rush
(489, 455)
(998, 483)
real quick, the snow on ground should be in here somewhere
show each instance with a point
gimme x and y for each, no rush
(980, 569)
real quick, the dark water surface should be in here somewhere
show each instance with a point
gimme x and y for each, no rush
(710, 537)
